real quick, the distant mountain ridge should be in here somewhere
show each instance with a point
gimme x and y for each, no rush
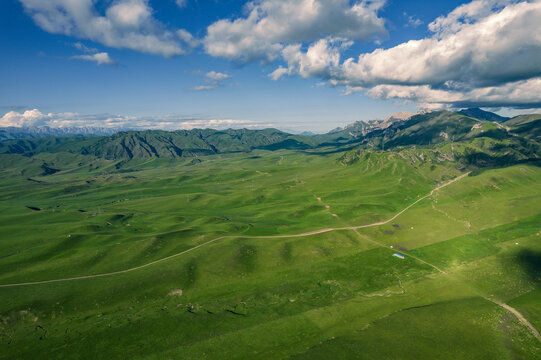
(359, 129)
(515, 139)
(402, 115)
(446, 136)
(483, 115)
(12, 132)
(191, 143)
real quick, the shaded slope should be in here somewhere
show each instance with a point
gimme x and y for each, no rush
(191, 143)
(483, 115)
(445, 136)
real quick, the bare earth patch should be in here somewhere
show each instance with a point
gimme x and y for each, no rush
(175, 292)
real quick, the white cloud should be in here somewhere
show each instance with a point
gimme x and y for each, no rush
(31, 118)
(35, 118)
(412, 21)
(82, 47)
(214, 80)
(187, 38)
(129, 13)
(181, 3)
(272, 24)
(205, 87)
(217, 75)
(27, 118)
(484, 50)
(519, 94)
(126, 24)
(98, 58)
(321, 59)
(502, 47)
(221, 124)
(278, 73)
(466, 14)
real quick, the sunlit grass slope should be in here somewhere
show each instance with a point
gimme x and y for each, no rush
(337, 294)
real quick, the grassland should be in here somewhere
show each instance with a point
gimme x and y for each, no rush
(337, 294)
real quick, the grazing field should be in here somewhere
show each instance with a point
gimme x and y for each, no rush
(257, 256)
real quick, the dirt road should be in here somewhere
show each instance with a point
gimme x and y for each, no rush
(310, 233)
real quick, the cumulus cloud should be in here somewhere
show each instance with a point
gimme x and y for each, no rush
(204, 87)
(188, 39)
(217, 75)
(214, 80)
(272, 24)
(497, 49)
(321, 59)
(412, 21)
(221, 124)
(487, 51)
(181, 3)
(98, 58)
(126, 24)
(278, 73)
(523, 94)
(466, 14)
(27, 118)
(35, 118)
(82, 47)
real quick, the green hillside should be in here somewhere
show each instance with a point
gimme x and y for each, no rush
(530, 130)
(272, 247)
(483, 115)
(522, 119)
(190, 143)
(435, 128)
(161, 144)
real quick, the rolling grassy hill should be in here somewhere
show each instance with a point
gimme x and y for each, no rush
(262, 251)
(161, 144)
(483, 115)
(420, 130)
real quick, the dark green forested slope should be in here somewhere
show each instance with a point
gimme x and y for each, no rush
(517, 135)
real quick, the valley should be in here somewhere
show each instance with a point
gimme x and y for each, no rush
(272, 248)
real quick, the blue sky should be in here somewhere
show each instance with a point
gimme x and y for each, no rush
(138, 63)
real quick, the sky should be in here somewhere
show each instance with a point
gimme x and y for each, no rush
(302, 65)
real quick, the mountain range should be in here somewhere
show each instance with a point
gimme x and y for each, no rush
(470, 136)
(12, 132)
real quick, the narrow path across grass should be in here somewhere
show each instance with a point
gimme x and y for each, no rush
(520, 317)
(310, 233)
(512, 310)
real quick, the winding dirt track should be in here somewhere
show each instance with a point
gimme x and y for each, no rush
(512, 310)
(310, 233)
(519, 316)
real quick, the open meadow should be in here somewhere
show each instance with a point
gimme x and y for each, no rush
(268, 255)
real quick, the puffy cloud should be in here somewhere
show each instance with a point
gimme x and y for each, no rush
(502, 47)
(205, 87)
(278, 73)
(412, 21)
(35, 118)
(27, 118)
(127, 24)
(321, 59)
(98, 58)
(181, 3)
(82, 47)
(520, 94)
(187, 38)
(221, 124)
(487, 51)
(217, 75)
(214, 81)
(272, 24)
(466, 14)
